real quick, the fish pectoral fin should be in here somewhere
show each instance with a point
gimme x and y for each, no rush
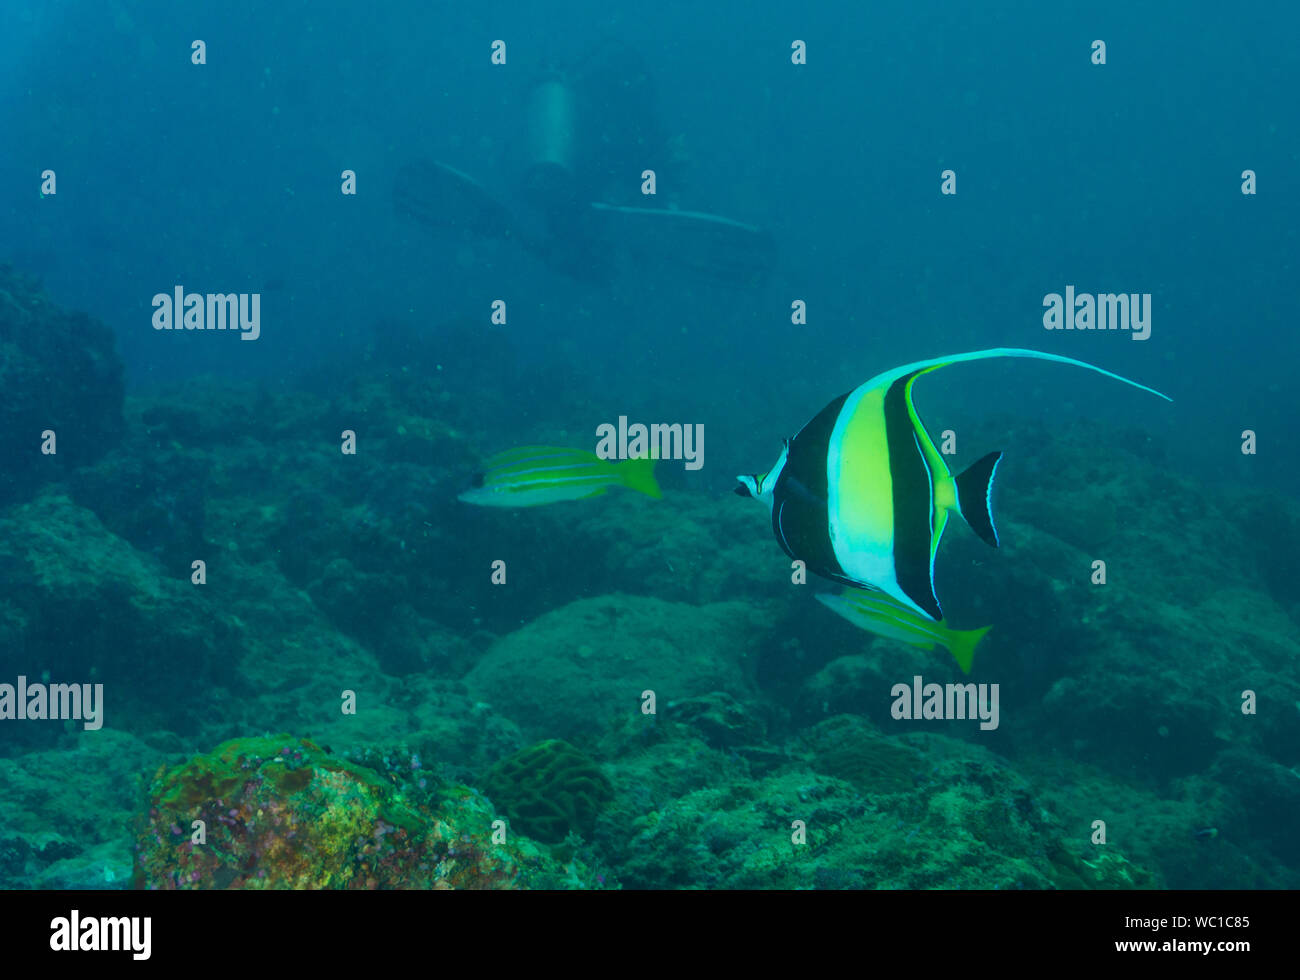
(975, 496)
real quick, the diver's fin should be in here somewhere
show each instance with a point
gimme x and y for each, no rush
(706, 246)
(639, 475)
(962, 644)
(975, 496)
(446, 200)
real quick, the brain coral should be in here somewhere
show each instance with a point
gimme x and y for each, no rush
(549, 789)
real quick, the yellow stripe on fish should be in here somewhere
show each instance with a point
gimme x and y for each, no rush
(532, 476)
(862, 496)
(876, 613)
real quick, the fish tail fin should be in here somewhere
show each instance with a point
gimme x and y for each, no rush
(639, 475)
(963, 644)
(975, 496)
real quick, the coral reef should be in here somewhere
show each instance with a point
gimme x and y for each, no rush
(549, 790)
(1120, 703)
(876, 812)
(279, 812)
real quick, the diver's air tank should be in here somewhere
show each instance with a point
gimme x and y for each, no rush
(549, 182)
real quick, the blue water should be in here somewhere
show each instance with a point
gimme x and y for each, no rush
(1122, 177)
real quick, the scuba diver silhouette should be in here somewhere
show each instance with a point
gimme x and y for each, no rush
(587, 138)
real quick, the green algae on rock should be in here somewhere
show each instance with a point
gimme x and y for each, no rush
(280, 812)
(548, 790)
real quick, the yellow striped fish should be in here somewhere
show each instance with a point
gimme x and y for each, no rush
(532, 476)
(877, 613)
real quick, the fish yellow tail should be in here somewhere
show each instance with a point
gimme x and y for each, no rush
(639, 475)
(962, 643)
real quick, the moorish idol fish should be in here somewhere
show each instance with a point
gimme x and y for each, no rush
(534, 475)
(877, 613)
(862, 496)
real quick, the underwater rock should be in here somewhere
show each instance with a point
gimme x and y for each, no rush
(913, 811)
(1156, 826)
(851, 749)
(193, 481)
(1265, 798)
(548, 790)
(104, 867)
(85, 788)
(686, 547)
(243, 651)
(722, 720)
(59, 371)
(152, 496)
(24, 855)
(366, 606)
(88, 608)
(1105, 870)
(579, 668)
(444, 720)
(689, 816)
(852, 683)
(280, 812)
(1166, 693)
